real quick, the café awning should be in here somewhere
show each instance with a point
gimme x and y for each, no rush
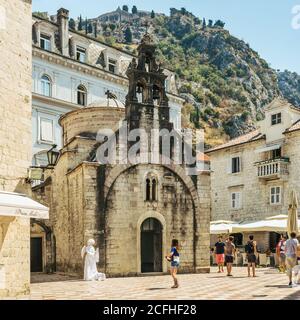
(268, 148)
(222, 226)
(19, 205)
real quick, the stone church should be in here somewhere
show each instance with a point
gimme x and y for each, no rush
(133, 211)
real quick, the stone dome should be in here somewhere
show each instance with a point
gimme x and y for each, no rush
(104, 102)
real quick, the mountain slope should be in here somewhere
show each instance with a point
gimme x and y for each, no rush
(225, 83)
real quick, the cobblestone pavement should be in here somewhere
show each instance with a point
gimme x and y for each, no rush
(268, 285)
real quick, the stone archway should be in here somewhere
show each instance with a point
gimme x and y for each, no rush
(163, 245)
(42, 247)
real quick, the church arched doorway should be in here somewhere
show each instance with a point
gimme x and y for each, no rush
(151, 246)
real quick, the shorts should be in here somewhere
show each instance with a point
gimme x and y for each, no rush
(220, 258)
(282, 258)
(174, 264)
(229, 259)
(251, 258)
(290, 263)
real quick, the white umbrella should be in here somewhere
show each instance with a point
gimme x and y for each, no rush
(292, 223)
(221, 226)
(276, 224)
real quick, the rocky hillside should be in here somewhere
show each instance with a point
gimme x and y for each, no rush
(225, 83)
(289, 85)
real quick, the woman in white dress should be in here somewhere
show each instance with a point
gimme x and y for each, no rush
(90, 255)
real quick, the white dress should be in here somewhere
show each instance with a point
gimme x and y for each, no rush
(91, 257)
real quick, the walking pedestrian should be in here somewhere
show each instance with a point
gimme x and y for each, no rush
(173, 257)
(251, 250)
(229, 255)
(220, 254)
(280, 252)
(291, 255)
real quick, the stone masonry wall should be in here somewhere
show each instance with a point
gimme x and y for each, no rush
(15, 139)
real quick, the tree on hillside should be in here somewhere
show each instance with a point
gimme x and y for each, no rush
(204, 24)
(210, 23)
(112, 26)
(80, 24)
(125, 8)
(152, 14)
(95, 30)
(90, 28)
(134, 10)
(128, 35)
(219, 23)
(86, 26)
(183, 11)
(72, 24)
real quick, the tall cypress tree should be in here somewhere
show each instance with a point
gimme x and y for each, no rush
(86, 26)
(80, 24)
(72, 24)
(95, 30)
(128, 35)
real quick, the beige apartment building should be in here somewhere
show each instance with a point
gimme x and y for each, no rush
(15, 148)
(252, 176)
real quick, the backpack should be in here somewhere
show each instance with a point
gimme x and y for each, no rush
(249, 247)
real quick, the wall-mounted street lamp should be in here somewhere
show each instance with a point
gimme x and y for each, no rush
(52, 156)
(37, 173)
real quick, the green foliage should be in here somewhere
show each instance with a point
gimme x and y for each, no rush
(80, 26)
(134, 10)
(125, 8)
(90, 28)
(152, 14)
(128, 35)
(72, 24)
(43, 15)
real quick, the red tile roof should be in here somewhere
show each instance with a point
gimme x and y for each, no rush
(294, 127)
(203, 157)
(248, 137)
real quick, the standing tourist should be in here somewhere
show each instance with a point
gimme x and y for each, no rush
(220, 251)
(173, 257)
(280, 251)
(291, 255)
(251, 250)
(229, 255)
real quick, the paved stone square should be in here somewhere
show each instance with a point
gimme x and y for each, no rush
(268, 285)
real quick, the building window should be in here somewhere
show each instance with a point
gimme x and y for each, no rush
(235, 164)
(276, 154)
(45, 42)
(80, 54)
(81, 95)
(46, 86)
(46, 130)
(151, 188)
(275, 195)
(236, 200)
(112, 65)
(276, 118)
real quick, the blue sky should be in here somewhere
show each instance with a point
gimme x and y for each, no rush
(264, 24)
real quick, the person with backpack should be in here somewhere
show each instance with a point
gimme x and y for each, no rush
(251, 250)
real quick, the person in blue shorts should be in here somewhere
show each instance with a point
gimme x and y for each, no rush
(173, 257)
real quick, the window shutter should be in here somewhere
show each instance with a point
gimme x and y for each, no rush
(229, 165)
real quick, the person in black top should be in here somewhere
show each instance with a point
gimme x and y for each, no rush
(251, 250)
(220, 250)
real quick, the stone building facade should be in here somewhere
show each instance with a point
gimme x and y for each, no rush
(15, 145)
(252, 176)
(132, 210)
(70, 71)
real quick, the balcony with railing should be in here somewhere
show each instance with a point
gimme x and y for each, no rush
(273, 169)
